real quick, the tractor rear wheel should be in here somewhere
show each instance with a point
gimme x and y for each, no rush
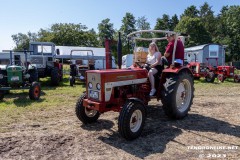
(83, 113)
(221, 78)
(35, 91)
(1, 95)
(210, 77)
(177, 95)
(72, 80)
(55, 78)
(131, 120)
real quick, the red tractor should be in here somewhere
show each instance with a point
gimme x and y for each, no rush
(210, 73)
(127, 91)
(202, 70)
(224, 72)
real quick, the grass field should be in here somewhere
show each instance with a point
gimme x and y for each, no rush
(49, 129)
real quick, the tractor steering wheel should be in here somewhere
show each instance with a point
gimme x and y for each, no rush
(138, 64)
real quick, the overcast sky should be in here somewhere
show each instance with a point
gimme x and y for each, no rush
(21, 16)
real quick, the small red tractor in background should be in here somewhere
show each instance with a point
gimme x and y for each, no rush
(211, 72)
(202, 70)
(224, 72)
(127, 91)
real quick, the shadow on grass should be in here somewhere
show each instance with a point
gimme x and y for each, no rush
(159, 130)
(22, 99)
(46, 83)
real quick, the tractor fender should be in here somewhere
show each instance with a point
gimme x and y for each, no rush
(138, 100)
(173, 70)
(177, 70)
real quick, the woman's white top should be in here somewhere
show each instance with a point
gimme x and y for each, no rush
(153, 58)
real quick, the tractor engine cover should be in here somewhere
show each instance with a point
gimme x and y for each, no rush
(100, 83)
(14, 74)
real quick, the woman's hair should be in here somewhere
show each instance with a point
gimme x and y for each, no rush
(155, 46)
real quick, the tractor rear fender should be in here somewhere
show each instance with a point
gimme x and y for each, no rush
(177, 70)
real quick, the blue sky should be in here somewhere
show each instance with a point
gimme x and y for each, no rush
(21, 16)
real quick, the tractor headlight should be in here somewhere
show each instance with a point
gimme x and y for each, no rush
(90, 85)
(98, 86)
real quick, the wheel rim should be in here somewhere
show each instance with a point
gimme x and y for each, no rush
(36, 91)
(136, 121)
(183, 96)
(220, 77)
(209, 77)
(90, 112)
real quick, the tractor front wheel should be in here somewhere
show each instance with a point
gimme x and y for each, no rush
(72, 80)
(131, 120)
(35, 91)
(55, 78)
(83, 113)
(1, 95)
(221, 78)
(236, 78)
(210, 77)
(177, 95)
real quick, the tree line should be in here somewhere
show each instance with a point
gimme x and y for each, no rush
(200, 24)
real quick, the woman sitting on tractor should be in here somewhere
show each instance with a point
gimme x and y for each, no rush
(154, 63)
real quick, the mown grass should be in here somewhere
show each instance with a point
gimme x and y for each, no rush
(17, 105)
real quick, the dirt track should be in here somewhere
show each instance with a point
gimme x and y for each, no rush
(214, 120)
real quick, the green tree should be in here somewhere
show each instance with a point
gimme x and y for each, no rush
(194, 28)
(127, 27)
(207, 17)
(45, 35)
(22, 40)
(173, 22)
(191, 11)
(163, 23)
(143, 24)
(105, 30)
(232, 21)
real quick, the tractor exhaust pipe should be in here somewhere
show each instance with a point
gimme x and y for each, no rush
(119, 51)
(11, 57)
(108, 54)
